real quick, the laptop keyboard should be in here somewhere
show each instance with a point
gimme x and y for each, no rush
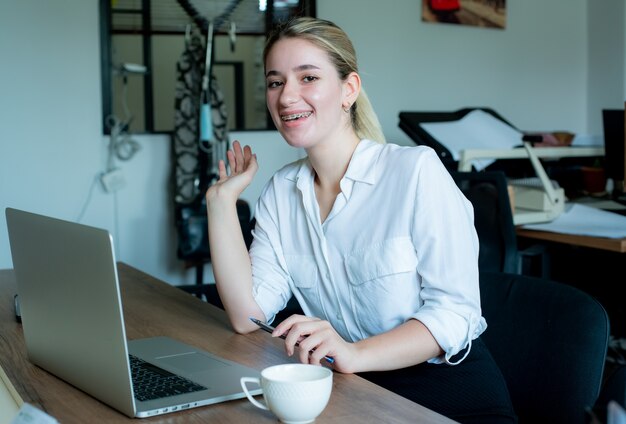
(151, 382)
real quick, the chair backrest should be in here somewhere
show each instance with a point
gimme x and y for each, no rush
(493, 219)
(550, 341)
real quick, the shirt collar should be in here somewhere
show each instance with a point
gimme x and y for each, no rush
(361, 167)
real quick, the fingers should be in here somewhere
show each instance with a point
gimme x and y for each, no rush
(312, 336)
(284, 328)
(221, 168)
(240, 159)
(232, 161)
(235, 172)
(314, 347)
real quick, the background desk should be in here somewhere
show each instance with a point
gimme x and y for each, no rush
(612, 244)
(152, 308)
(468, 155)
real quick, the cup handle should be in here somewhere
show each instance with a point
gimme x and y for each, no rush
(245, 380)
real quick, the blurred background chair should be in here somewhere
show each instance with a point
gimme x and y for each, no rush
(493, 219)
(550, 341)
(193, 246)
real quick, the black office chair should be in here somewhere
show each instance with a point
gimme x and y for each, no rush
(493, 219)
(550, 341)
(193, 245)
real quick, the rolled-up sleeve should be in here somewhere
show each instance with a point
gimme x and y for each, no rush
(446, 245)
(270, 279)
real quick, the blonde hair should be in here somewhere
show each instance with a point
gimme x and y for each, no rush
(335, 42)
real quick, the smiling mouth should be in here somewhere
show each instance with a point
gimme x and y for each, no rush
(295, 116)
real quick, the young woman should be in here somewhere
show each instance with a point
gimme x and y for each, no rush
(374, 240)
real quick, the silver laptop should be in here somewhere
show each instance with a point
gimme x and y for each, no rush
(73, 324)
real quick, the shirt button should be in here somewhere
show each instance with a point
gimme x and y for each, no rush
(328, 276)
(339, 317)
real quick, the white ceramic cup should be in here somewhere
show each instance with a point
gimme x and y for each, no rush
(295, 393)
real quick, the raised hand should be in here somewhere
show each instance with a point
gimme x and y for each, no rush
(243, 166)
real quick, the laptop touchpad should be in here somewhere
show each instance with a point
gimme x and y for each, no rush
(192, 362)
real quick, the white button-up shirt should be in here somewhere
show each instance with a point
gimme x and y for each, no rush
(399, 243)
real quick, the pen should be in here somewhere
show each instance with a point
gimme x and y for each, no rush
(270, 329)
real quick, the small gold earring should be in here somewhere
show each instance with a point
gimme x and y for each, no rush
(347, 108)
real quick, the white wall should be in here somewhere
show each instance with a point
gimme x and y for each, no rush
(551, 68)
(535, 72)
(50, 134)
(607, 71)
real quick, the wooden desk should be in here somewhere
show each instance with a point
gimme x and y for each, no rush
(614, 245)
(152, 308)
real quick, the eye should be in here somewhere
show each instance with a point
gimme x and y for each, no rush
(273, 84)
(310, 78)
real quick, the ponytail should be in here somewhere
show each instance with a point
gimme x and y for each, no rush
(365, 121)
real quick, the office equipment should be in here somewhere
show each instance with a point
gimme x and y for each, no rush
(154, 307)
(74, 326)
(532, 204)
(414, 124)
(615, 150)
(468, 155)
(550, 341)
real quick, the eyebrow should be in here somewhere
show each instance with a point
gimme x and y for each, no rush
(299, 68)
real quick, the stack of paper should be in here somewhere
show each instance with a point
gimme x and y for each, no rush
(585, 221)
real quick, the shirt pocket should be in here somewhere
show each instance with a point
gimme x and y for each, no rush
(393, 256)
(384, 290)
(302, 270)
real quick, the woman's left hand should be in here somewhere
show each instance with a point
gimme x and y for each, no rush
(317, 339)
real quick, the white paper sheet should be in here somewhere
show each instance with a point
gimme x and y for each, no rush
(476, 130)
(586, 221)
(28, 414)
(616, 414)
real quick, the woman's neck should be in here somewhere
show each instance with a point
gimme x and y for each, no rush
(330, 161)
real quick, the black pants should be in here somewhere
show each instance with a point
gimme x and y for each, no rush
(473, 391)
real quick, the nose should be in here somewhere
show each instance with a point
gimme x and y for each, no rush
(289, 94)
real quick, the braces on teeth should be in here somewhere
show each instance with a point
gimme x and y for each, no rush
(295, 116)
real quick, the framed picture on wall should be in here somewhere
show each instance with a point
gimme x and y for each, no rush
(480, 13)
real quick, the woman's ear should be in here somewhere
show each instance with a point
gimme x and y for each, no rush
(351, 88)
